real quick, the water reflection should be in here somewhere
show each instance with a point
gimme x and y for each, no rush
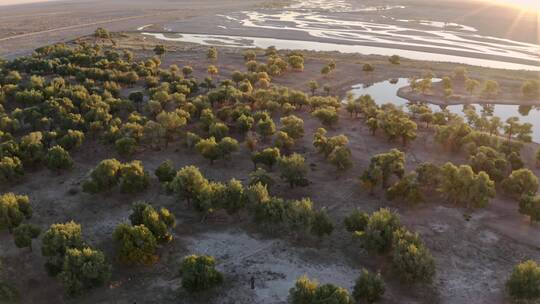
(386, 91)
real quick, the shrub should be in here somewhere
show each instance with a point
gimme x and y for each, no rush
(11, 169)
(524, 282)
(327, 116)
(137, 244)
(321, 224)
(394, 59)
(530, 205)
(158, 222)
(412, 261)
(83, 269)
(104, 177)
(125, 146)
(13, 210)
(520, 182)
(218, 130)
(260, 176)
(165, 172)
(379, 232)
(293, 126)
(58, 159)
(369, 287)
(73, 139)
(268, 157)
(133, 177)
(23, 235)
(356, 221)
(199, 273)
(307, 291)
(188, 183)
(56, 241)
(341, 158)
(208, 148)
(293, 170)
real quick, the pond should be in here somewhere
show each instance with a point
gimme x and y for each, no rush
(386, 91)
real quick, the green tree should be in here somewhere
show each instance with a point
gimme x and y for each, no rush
(165, 172)
(31, 148)
(13, 210)
(104, 177)
(322, 224)
(136, 244)
(83, 269)
(411, 259)
(188, 182)
(299, 215)
(491, 89)
(394, 59)
(171, 122)
(268, 157)
(56, 241)
(382, 166)
(212, 54)
(102, 33)
(218, 130)
(341, 158)
(71, 140)
(490, 161)
(471, 85)
(407, 189)
(266, 127)
(369, 287)
(245, 123)
(199, 273)
(530, 205)
(356, 221)
(368, 68)
(296, 62)
(332, 294)
(293, 126)
(524, 282)
(327, 116)
(227, 146)
(234, 198)
(520, 182)
(125, 146)
(260, 176)
(58, 159)
(303, 291)
(531, 89)
(378, 235)
(11, 170)
(293, 169)
(159, 50)
(187, 71)
(326, 145)
(462, 186)
(158, 222)
(209, 149)
(23, 235)
(133, 177)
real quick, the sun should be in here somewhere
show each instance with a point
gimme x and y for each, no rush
(528, 5)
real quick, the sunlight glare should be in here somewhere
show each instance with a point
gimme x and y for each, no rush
(529, 5)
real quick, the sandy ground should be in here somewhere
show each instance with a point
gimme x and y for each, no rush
(27, 27)
(473, 256)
